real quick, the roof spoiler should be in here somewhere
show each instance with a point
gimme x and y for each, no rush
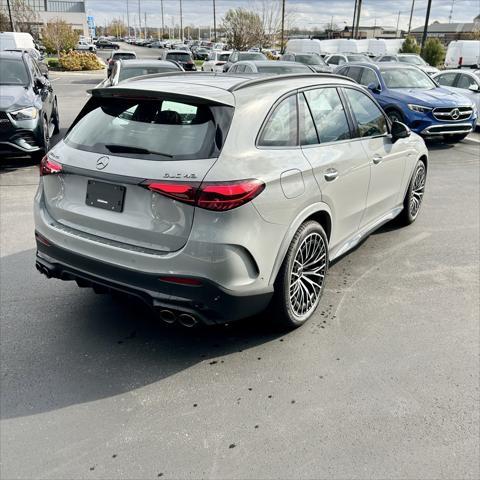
(140, 94)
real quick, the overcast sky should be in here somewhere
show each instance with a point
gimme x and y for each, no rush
(307, 13)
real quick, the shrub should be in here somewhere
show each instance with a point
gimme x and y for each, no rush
(76, 61)
(433, 52)
(53, 62)
(410, 45)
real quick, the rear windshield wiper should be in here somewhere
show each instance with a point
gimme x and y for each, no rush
(129, 149)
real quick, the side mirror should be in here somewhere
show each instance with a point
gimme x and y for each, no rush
(399, 130)
(40, 83)
(374, 87)
(474, 88)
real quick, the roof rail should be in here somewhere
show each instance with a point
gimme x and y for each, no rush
(274, 78)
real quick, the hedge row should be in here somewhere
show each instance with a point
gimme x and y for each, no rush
(76, 61)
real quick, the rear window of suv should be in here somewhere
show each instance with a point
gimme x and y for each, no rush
(179, 56)
(124, 56)
(154, 129)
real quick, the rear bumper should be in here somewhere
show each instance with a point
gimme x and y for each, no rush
(209, 303)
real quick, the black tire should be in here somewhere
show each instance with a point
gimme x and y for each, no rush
(91, 49)
(56, 118)
(284, 311)
(395, 116)
(454, 138)
(415, 191)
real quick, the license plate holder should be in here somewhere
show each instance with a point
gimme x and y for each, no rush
(107, 196)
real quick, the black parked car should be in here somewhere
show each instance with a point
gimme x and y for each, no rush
(28, 107)
(201, 53)
(107, 44)
(183, 58)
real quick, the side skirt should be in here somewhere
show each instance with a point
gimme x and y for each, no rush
(353, 241)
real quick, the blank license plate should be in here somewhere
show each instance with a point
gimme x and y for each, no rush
(105, 195)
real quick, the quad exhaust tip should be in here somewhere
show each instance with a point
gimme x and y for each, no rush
(187, 320)
(43, 270)
(167, 316)
(184, 319)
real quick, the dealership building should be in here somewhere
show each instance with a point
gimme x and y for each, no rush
(72, 11)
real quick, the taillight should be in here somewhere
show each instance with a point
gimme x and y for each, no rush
(184, 192)
(225, 196)
(49, 166)
(460, 61)
(218, 196)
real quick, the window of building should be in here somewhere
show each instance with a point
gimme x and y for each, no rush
(65, 6)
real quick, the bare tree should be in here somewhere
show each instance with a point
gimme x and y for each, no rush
(270, 12)
(243, 28)
(23, 15)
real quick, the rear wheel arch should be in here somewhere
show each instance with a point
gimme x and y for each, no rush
(319, 213)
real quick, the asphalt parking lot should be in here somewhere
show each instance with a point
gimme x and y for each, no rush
(382, 383)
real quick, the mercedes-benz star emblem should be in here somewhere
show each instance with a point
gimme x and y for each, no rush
(102, 162)
(455, 114)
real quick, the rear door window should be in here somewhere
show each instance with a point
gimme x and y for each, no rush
(307, 130)
(465, 81)
(370, 119)
(280, 129)
(155, 129)
(355, 73)
(368, 77)
(328, 114)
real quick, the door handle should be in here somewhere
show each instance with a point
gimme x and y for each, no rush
(330, 174)
(377, 159)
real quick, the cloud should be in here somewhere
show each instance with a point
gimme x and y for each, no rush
(307, 13)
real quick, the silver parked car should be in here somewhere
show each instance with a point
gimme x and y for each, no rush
(465, 82)
(277, 67)
(212, 197)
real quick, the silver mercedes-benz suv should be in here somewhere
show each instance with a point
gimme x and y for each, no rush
(213, 197)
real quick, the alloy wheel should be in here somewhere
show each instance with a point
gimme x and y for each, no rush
(308, 274)
(418, 189)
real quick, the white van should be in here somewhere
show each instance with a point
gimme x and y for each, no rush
(463, 53)
(304, 45)
(12, 40)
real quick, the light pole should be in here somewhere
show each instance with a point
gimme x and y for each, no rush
(214, 23)
(398, 22)
(354, 20)
(163, 21)
(411, 15)
(139, 20)
(128, 21)
(10, 16)
(359, 12)
(181, 20)
(425, 28)
(282, 37)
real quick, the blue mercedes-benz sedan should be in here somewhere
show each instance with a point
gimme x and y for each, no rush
(409, 95)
